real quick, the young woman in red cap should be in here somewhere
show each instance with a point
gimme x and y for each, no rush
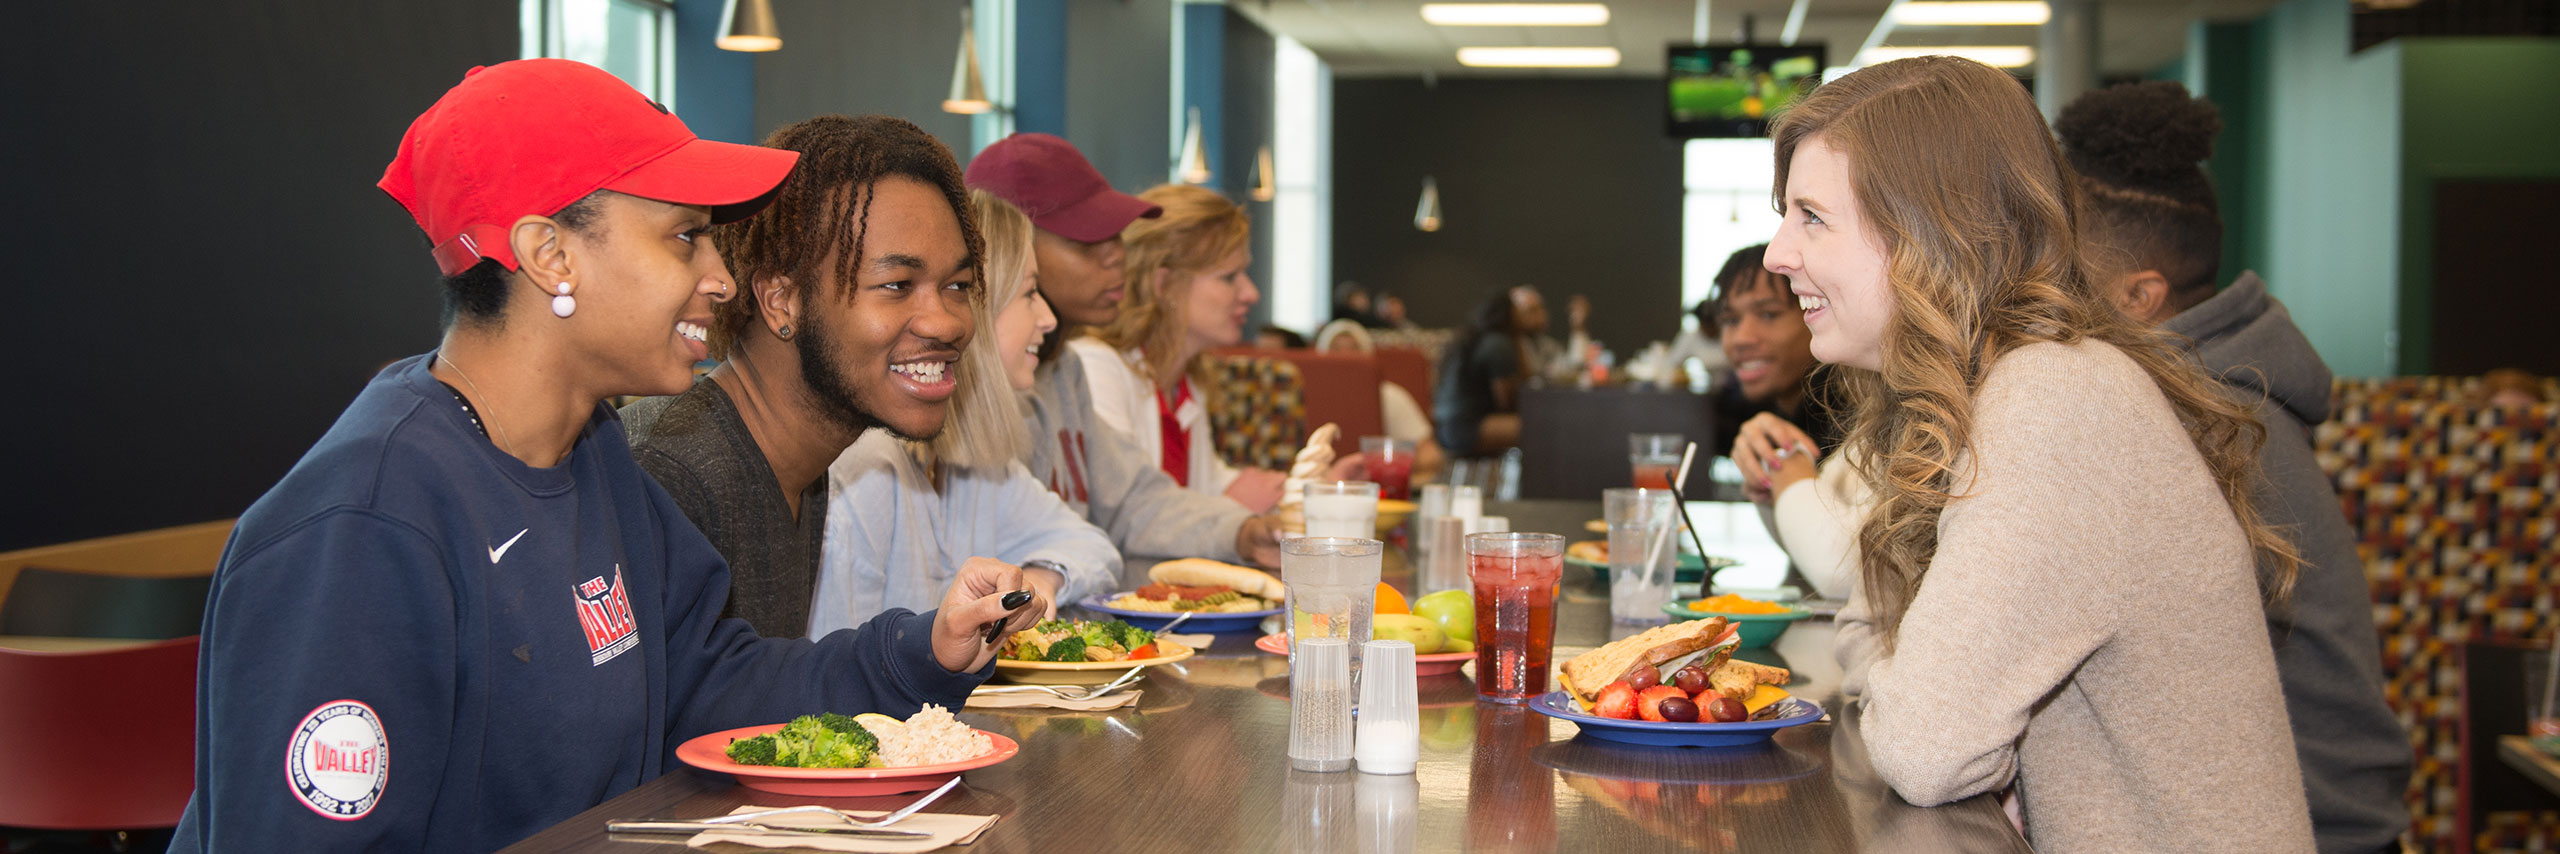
(469, 567)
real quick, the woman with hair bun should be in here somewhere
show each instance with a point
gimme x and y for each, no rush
(2153, 217)
(2064, 556)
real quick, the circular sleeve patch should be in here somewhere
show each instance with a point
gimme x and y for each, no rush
(339, 760)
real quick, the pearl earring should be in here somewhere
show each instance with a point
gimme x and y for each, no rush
(564, 304)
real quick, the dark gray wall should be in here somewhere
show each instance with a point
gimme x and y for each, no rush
(862, 56)
(1247, 92)
(1119, 87)
(1569, 185)
(204, 273)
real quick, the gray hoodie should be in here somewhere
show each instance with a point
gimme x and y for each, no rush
(1101, 474)
(2355, 756)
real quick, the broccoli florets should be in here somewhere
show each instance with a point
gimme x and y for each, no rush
(806, 742)
(1070, 648)
(851, 729)
(1132, 637)
(752, 751)
(1053, 625)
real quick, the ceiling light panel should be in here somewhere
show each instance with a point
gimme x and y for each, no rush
(1516, 14)
(1538, 57)
(1972, 13)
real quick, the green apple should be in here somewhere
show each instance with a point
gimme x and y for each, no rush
(1454, 610)
(1424, 634)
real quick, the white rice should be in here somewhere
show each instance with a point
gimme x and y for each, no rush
(932, 737)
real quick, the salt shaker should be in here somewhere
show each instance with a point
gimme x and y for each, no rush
(1390, 731)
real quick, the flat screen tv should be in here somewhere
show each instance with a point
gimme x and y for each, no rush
(1734, 90)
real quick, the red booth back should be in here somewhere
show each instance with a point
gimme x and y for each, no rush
(1341, 388)
(1409, 368)
(101, 740)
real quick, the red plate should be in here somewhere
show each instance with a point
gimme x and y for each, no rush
(711, 753)
(1435, 664)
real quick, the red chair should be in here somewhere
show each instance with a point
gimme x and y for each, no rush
(102, 740)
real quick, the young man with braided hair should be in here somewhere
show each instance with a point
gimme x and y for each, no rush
(856, 289)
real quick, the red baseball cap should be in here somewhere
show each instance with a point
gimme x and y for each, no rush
(533, 136)
(1052, 183)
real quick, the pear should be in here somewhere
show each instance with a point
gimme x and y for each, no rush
(1423, 632)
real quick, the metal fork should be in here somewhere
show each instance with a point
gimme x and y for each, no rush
(750, 819)
(1070, 692)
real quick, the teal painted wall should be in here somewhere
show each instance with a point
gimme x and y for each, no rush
(2322, 217)
(2471, 108)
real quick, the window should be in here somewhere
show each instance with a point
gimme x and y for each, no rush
(1302, 163)
(633, 39)
(1724, 207)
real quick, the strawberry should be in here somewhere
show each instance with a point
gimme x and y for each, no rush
(1616, 700)
(1649, 703)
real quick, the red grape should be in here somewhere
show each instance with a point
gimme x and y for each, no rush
(1676, 709)
(1691, 679)
(1644, 676)
(1727, 710)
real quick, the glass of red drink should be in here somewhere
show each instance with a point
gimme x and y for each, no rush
(1390, 465)
(1653, 456)
(1515, 577)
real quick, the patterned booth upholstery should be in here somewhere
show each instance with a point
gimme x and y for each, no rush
(1257, 411)
(2457, 506)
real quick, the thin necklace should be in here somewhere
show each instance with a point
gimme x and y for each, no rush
(503, 443)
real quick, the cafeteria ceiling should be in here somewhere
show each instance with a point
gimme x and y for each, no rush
(1388, 38)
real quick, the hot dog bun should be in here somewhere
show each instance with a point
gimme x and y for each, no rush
(1205, 572)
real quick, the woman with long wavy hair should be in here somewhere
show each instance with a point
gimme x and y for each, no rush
(2063, 573)
(1187, 291)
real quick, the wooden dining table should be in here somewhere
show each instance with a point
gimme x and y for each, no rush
(1200, 765)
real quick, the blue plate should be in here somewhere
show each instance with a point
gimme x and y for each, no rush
(1237, 621)
(1560, 705)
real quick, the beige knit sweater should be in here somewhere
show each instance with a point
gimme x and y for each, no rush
(2090, 627)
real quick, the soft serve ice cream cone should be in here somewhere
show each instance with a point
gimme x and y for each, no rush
(1312, 463)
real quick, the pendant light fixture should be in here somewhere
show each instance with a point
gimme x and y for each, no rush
(968, 90)
(1426, 216)
(1193, 166)
(747, 26)
(1265, 187)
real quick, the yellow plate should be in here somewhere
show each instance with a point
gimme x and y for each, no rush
(1082, 672)
(1392, 512)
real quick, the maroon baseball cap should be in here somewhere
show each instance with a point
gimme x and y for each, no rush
(533, 136)
(1052, 183)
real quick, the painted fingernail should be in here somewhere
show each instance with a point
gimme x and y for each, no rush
(1015, 600)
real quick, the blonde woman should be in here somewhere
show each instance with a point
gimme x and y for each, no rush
(2062, 578)
(903, 517)
(1186, 291)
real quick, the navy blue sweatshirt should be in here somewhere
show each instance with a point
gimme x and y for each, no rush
(416, 642)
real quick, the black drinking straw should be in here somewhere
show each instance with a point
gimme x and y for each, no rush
(1681, 503)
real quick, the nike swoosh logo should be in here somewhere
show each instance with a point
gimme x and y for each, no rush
(501, 551)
